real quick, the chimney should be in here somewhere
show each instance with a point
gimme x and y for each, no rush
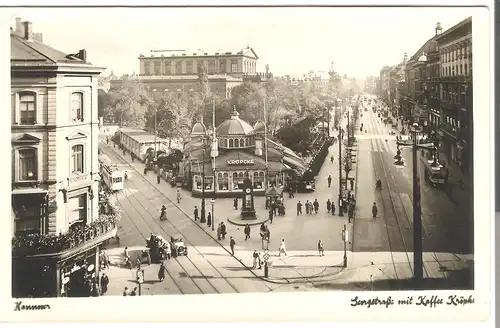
(19, 25)
(28, 31)
(82, 54)
(438, 29)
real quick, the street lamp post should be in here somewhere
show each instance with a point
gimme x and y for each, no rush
(418, 270)
(212, 201)
(202, 214)
(340, 171)
(345, 238)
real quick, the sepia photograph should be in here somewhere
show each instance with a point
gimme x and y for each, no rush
(219, 151)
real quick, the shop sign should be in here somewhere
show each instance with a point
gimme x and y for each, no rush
(240, 161)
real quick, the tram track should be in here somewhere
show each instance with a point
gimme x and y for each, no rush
(397, 192)
(376, 145)
(300, 279)
(144, 213)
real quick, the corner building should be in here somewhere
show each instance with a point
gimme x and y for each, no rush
(54, 128)
(237, 149)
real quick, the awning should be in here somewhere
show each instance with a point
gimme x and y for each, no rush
(27, 191)
(294, 163)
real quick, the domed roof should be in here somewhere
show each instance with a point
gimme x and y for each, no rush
(198, 129)
(234, 126)
(259, 127)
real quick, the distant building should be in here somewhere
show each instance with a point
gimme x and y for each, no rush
(176, 72)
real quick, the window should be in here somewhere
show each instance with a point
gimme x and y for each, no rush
(197, 182)
(146, 69)
(77, 159)
(178, 68)
(189, 67)
(466, 72)
(27, 108)
(242, 143)
(222, 66)
(235, 180)
(77, 209)
(223, 181)
(27, 165)
(236, 143)
(231, 143)
(211, 66)
(234, 66)
(77, 107)
(157, 67)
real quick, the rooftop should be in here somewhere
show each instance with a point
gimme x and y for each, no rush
(234, 126)
(180, 77)
(247, 51)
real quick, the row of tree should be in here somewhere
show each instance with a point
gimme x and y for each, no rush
(286, 101)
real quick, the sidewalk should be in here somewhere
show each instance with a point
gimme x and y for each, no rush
(460, 196)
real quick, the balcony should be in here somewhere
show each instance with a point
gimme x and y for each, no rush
(63, 245)
(449, 130)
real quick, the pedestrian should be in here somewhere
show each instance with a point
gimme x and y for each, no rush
(268, 234)
(267, 203)
(232, 243)
(209, 219)
(316, 205)
(219, 231)
(247, 231)
(282, 248)
(125, 176)
(145, 170)
(352, 184)
(307, 207)
(255, 256)
(125, 292)
(374, 210)
(178, 196)
(223, 230)
(104, 283)
(196, 213)
(328, 205)
(333, 208)
(138, 262)
(331, 157)
(329, 180)
(271, 216)
(158, 179)
(299, 208)
(161, 272)
(168, 251)
(320, 248)
(235, 203)
(134, 292)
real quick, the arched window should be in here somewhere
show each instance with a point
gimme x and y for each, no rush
(27, 164)
(230, 143)
(77, 159)
(466, 72)
(77, 107)
(27, 107)
(242, 142)
(236, 143)
(240, 175)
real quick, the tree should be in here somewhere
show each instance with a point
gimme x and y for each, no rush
(347, 163)
(104, 100)
(129, 103)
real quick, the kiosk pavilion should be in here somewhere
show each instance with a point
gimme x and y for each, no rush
(237, 149)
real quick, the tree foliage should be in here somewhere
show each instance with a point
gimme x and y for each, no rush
(127, 104)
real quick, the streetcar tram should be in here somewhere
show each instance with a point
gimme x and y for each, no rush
(111, 175)
(434, 172)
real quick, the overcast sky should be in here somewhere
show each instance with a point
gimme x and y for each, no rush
(359, 41)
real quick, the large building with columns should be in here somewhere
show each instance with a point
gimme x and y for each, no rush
(176, 72)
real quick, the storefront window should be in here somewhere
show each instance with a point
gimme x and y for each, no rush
(223, 180)
(272, 180)
(209, 183)
(258, 180)
(197, 181)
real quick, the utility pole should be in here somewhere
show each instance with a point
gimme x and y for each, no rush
(340, 170)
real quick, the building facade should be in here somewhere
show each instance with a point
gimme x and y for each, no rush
(455, 87)
(54, 130)
(176, 72)
(437, 90)
(236, 150)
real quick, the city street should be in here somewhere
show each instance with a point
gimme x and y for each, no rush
(445, 229)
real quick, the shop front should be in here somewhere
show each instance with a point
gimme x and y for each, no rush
(231, 169)
(70, 273)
